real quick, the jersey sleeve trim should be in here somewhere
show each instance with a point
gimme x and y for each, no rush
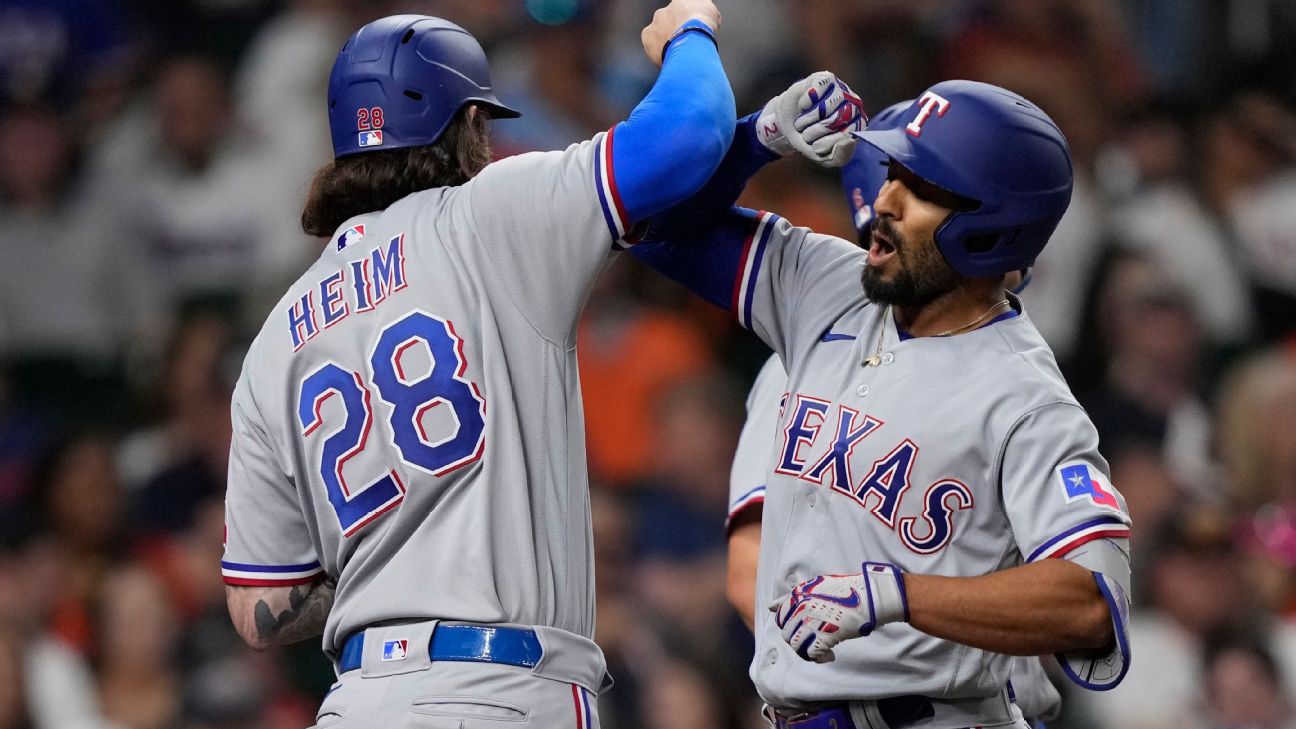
(752, 498)
(1100, 528)
(255, 575)
(1118, 604)
(614, 212)
(749, 263)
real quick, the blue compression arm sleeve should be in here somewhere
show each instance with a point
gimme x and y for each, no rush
(707, 262)
(699, 242)
(692, 219)
(675, 138)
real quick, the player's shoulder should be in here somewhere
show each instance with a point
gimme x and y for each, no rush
(1022, 362)
(519, 168)
(819, 244)
(827, 268)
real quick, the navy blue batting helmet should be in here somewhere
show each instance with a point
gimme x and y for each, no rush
(862, 177)
(996, 148)
(399, 81)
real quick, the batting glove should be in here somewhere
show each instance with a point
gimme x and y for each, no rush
(815, 117)
(824, 611)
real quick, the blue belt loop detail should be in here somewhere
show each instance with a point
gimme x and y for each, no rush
(478, 643)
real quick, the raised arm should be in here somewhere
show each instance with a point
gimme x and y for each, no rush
(701, 241)
(674, 139)
(815, 116)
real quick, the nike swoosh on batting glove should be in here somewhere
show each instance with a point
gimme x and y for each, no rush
(828, 609)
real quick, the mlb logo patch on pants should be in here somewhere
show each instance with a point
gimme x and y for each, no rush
(395, 650)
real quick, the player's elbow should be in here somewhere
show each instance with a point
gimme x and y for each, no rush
(255, 644)
(740, 591)
(744, 553)
(705, 133)
(689, 144)
(242, 611)
(243, 625)
(1092, 628)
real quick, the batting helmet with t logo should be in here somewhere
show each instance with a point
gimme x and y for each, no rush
(999, 150)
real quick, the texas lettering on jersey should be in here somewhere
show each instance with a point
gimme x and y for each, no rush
(882, 489)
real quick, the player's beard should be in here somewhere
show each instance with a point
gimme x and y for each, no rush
(921, 276)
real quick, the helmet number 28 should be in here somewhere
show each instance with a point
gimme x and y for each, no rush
(367, 119)
(411, 397)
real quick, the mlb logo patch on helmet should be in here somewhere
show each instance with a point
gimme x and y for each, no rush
(1079, 483)
(350, 235)
(395, 650)
(409, 75)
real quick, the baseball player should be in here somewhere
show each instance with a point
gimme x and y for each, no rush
(861, 179)
(937, 502)
(407, 475)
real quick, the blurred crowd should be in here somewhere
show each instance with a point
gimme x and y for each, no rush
(153, 160)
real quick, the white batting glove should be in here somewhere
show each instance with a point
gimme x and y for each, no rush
(824, 611)
(815, 117)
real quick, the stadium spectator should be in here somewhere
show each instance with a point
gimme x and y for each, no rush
(1148, 394)
(1244, 686)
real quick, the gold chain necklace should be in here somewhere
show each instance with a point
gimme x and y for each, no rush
(876, 359)
(974, 322)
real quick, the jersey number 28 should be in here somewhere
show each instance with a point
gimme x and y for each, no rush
(410, 397)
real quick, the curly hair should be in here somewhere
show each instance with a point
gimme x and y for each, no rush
(371, 181)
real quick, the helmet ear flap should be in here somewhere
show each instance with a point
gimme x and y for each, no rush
(981, 242)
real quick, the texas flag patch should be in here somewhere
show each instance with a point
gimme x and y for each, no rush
(371, 139)
(350, 235)
(395, 650)
(1079, 483)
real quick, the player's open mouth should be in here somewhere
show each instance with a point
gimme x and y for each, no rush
(881, 249)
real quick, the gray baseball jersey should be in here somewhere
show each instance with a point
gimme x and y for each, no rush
(408, 420)
(752, 463)
(952, 456)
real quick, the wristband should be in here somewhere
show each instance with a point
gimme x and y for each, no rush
(886, 593)
(694, 26)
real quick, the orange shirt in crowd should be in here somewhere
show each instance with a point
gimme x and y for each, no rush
(624, 366)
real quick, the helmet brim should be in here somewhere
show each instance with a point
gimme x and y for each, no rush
(496, 109)
(897, 144)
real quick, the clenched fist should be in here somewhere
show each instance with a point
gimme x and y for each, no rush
(816, 116)
(667, 20)
(824, 611)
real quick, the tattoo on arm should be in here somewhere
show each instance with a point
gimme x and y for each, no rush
(278, 615)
